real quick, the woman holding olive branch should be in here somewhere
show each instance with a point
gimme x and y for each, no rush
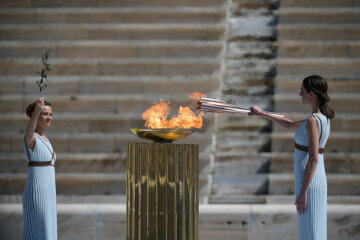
(39, 195)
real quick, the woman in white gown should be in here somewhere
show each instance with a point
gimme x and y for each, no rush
(309, 169)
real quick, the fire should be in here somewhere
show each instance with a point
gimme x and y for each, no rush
(196, 96)
(156, 117)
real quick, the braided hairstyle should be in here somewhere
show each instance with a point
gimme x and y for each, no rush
(319, 87)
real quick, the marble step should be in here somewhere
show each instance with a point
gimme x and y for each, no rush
(248, 68)
(319, 3)
(234, 199)
(327, 15)
(83, 123)
(112, 15)
(109, 3)
(149, 31)
(320, 66)
(69, 163)
(243, 184)
(79, 183)
(72, 199)
(84, 162)
(341, 103)
(338, 142)
(95, 103)
(343, 85)
(341, 123)
(246, 142)
(225, 185)
(238, 50)
(315, 32)
(328, 77)
(249, 5)
(118, 84)
(266, 199)
(344, 163)
(318, 49)
(112, 49)
(338, 184)
(102, 199)
(216, 221)
(112, 66)
(94, 142)
(241, 163)
(239, 123)
(70, 183)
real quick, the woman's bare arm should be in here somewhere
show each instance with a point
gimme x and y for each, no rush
(313, 136)
(282, 121)
(31, 126)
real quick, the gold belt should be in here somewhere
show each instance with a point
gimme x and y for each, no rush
(40, 164)
(306, 149)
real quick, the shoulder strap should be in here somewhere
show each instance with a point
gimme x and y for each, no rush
(52, 153)
(320, 125)
(44, 143)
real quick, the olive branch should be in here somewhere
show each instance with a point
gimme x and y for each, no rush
(42, 83)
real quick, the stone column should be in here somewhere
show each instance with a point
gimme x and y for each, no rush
(162, 191)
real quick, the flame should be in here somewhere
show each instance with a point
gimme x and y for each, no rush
(157, 116)
(196, 96)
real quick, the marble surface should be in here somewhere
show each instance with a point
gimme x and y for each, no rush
(225, 222)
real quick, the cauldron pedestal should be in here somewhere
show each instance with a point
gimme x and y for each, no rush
(162, 191)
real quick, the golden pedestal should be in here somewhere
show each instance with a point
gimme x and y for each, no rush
(162, 191)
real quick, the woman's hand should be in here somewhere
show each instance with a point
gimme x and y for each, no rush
(39, 105)
(255, 111)
(301, 203)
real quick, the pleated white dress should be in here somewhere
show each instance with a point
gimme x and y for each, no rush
(313, 223)
(39, 196)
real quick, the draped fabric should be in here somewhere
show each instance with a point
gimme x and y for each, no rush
(39, 196)
(313, 223)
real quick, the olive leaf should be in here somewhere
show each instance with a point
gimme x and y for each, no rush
(42, 83)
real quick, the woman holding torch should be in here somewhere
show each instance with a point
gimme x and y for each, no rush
(309, 170)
